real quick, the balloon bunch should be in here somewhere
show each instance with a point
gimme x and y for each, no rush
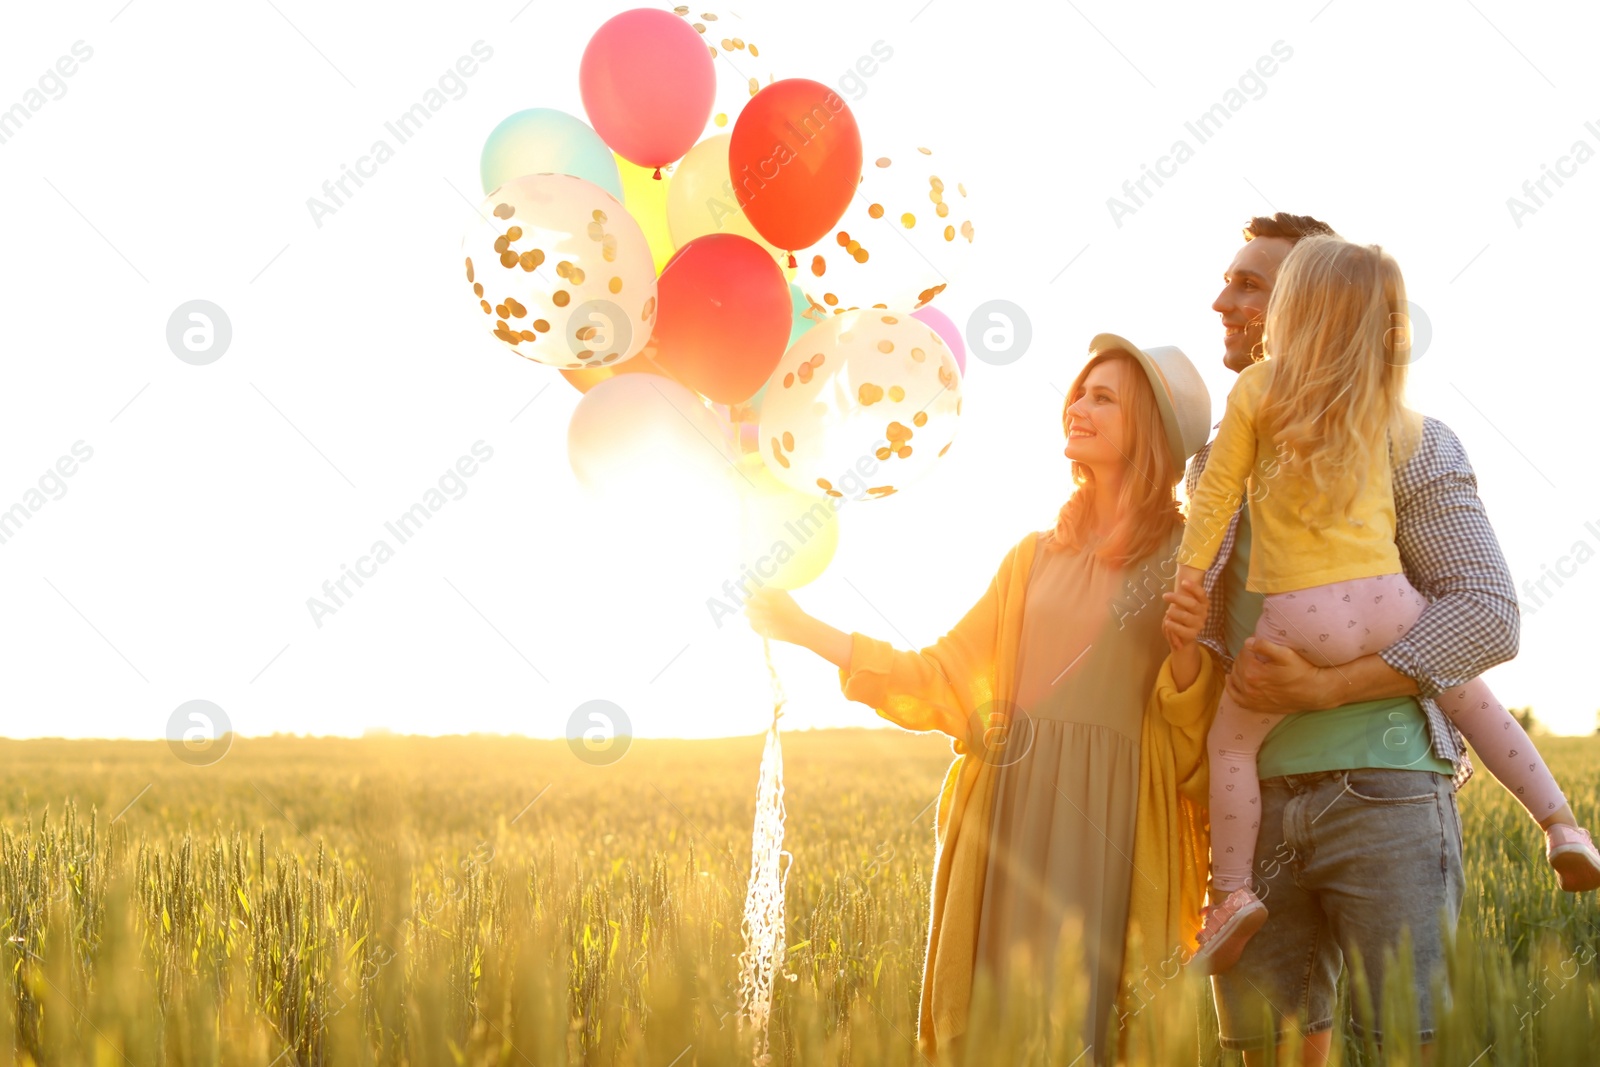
(753, 303)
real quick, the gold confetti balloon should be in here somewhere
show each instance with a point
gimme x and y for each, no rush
(738, 51)
(860, 406)
(561, 273)
(906, 236)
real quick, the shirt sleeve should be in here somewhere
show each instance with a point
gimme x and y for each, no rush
(1451, 555)
(1221, 486)
(1213, 633)
(941, 687)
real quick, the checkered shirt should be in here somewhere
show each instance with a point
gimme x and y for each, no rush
(1451, 555)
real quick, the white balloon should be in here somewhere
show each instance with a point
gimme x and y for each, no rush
(905, 237)
(743, 61)
(638, 432)
(561, 272)
(860, 406)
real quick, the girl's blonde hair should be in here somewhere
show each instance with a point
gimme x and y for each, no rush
(1146, 501)
(1338, 334)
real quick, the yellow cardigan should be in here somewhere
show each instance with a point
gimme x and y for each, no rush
(940, 688)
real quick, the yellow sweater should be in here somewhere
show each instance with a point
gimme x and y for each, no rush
(1285, 553)
(940, 688)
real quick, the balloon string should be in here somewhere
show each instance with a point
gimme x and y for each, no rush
(778, 699)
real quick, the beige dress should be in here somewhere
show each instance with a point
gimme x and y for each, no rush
(1065, 800)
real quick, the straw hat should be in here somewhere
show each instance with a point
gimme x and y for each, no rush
(1181, 394)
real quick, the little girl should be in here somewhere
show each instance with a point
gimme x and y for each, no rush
(1309, 433)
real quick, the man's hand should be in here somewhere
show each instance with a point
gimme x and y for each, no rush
(1275, 678)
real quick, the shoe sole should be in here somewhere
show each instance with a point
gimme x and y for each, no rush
(1576, 869)
(1225, 949)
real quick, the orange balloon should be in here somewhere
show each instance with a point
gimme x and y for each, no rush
(795, 160)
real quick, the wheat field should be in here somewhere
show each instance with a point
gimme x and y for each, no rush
(492, 900)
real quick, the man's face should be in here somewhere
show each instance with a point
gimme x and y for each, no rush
(1243, 300)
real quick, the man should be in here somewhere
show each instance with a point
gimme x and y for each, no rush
(1360, 836)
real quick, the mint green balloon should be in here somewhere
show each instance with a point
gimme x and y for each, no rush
(542, 140)
(798, 301)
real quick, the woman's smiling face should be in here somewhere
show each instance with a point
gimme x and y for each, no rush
(1093, 421)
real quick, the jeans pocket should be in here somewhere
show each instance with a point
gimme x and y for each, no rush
(1392, 787)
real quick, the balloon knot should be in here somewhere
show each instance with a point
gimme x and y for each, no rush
(791, 259)
(657, 174)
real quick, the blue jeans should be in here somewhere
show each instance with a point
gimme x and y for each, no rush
(1345, 860)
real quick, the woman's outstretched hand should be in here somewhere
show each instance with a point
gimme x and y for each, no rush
(774, 614)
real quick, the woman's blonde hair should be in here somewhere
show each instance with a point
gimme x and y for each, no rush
(1338, 334)
(1146, 502)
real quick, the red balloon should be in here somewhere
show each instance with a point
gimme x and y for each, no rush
(795, 161)
(648, 85)
(722, 317)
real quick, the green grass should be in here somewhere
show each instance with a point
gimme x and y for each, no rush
(498, 901)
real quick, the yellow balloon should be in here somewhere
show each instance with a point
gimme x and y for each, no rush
(645, 197)
(787, 538)
(702, 200)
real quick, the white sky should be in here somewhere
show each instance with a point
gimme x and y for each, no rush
(177, 165)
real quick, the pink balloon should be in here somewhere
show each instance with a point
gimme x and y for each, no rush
(947, 331)
(648, 85)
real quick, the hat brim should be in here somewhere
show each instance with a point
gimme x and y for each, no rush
(1108, 342)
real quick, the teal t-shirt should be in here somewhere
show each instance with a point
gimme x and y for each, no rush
(1373, 733)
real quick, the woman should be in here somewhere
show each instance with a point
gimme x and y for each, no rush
(1080, 783)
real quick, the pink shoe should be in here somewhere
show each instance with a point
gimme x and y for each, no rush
(1229, 927)
(1573, 855)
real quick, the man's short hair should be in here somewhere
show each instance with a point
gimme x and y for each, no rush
(1292, 227)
